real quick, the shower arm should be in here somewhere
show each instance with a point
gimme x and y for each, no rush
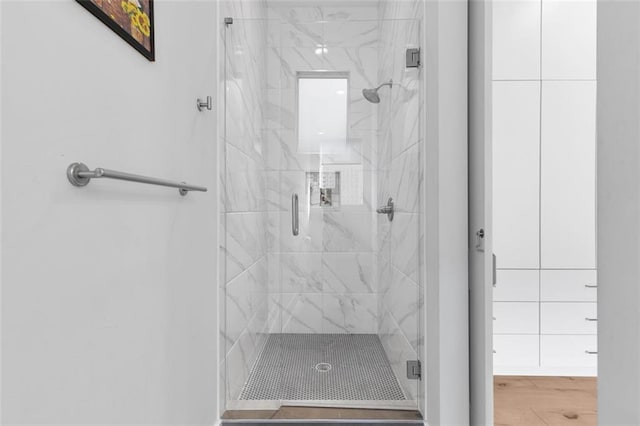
(388, 83)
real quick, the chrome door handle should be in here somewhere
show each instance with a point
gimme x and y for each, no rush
(591, 286)
(591, 319)
(295, 224)
(591, 352)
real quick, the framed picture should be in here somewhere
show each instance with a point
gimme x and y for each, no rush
(130, 19)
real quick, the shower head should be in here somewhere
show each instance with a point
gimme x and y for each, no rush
(372, 94)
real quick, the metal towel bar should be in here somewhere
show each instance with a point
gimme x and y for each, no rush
(80, 175)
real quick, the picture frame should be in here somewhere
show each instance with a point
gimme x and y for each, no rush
(132, 20)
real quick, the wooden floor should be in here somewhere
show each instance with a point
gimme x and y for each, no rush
(545, 401)
(519, 401)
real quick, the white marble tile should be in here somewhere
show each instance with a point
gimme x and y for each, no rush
(272, 192)
(294, 59)
(403, 302)
(311, 225)
(296, 14)
(273, 231)
(346, 231)
(405, 243)
(273, 272)
(363, 115)
(299, 34)
(404, 180)
(244, 187)
(284, 154)
(245, 241)
(245, 300)
(301, 272)
(304, 314)
(274, 68)
(348, 273)
(344, 33)
(275, 307)
(359, 149)
(292, 182)
(349, 313)
(362, 64)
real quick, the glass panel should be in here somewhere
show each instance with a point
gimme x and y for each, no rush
(329, 314)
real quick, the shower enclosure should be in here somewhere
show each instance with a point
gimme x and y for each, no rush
(322, 277)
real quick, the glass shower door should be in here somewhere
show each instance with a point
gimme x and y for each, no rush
(333, 290)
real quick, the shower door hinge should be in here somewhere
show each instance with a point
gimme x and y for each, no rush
(414, 370)
(228, 21)
(413, 58)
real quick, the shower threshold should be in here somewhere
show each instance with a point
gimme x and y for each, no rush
(323, 370)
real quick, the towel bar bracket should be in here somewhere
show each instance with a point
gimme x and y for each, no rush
(73, 174)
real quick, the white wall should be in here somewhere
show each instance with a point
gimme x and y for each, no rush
(447, 370)
(618, 212)
(108, 291)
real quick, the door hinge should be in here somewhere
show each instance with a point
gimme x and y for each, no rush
(413, 58)
(414, 370)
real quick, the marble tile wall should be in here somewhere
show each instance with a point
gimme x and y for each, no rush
(399, 175)
(324, 279)
(243, 220)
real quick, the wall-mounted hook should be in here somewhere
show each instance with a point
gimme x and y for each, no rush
(202, 105)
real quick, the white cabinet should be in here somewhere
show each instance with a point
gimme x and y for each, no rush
(544, 186)
(573, 351)
(568, 164)
(517, 286)
(516, 40)
(568, 285)
(516, 164)
(568, 318)
(516, 351)
(569, 39)
(516, 318)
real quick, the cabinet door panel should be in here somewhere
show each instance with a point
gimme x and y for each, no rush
(569, 39)
(516, 351)
(568, 162)
(568, 318)
(516, 153)
(517, 286)
(516, 40)
(568, 286)
(515, 318)
(562, 351)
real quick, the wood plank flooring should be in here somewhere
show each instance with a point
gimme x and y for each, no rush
(545, 401)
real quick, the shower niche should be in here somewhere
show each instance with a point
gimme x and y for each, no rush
(323, 189)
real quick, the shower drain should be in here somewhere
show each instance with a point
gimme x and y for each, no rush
(323, 367)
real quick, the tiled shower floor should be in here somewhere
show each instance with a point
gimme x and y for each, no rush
(291, 368)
